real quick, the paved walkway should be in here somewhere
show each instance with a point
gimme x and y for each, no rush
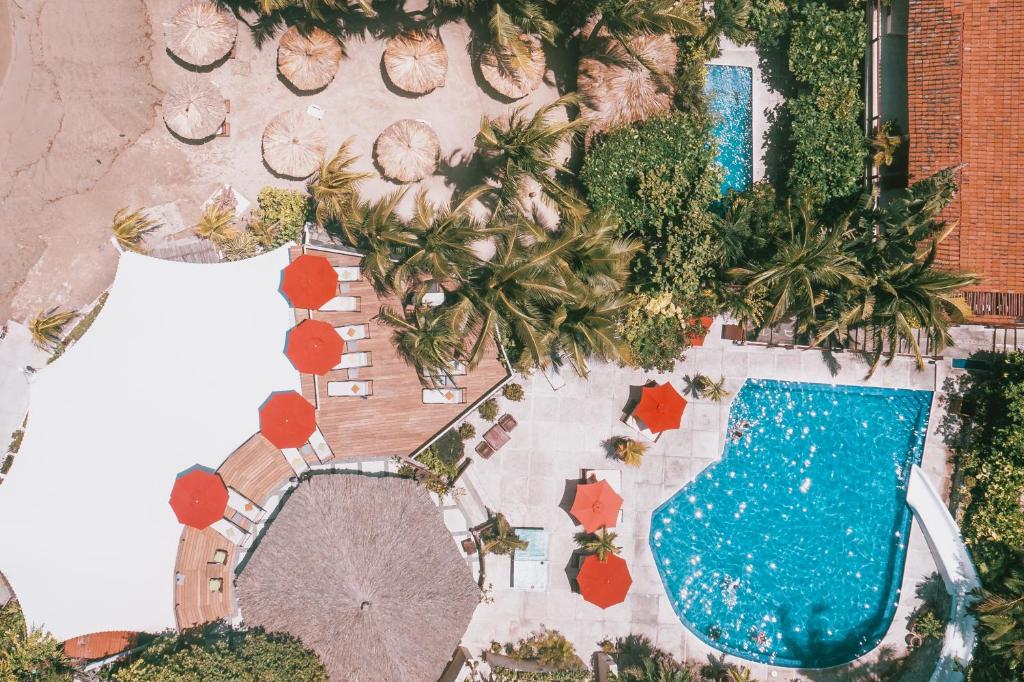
(16, 352)
(562, 432)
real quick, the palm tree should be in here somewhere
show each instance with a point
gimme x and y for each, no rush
(424, 337)
(729, 18)
(630, 451)
(656, 669)
(376, 229)
(217, 225)
(317, 9)
(597, 258)
(601, 543)
(884, 144)
(128, 229)
(520, 148)
(45, 327)
(740, 674)
(1001, 614)
(504, 23)
(334, 187)
(501, 538)
(587, 326)
(714, 390)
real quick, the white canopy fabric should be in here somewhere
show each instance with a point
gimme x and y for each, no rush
(171, 374)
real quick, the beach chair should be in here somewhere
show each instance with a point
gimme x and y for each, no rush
(641, 428)
(231, 532)
(443, 396)
(484, 449)
(507, 422)
(347, 273)
(497, 437)
(244, 506)
(353, 332)
(341, 304)
(320, 447)
(353, 360)
(295, 460)
(349, 389)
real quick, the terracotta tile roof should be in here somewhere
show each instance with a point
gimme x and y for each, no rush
(100, 644)
(965, 88)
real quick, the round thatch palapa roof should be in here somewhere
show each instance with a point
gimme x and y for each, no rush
(294, 144)
(514, 83)
(308, 61)
(364, 572)
(200, 33)
(407, 150)
(416, 62)
(615, 89)
(194, 108)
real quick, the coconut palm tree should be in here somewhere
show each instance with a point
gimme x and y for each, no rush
(601, 543)
(630, 451)
(424, 337)
(501, 538)
(714, 390)
(376, 229)
(129, 228)
(46, 326)
(319, 10)
(597, 258)
(502, 24)
(586, 325)
(1001, 615)
(335, 187)
(728, 18)
(216, 224)
(518, 149)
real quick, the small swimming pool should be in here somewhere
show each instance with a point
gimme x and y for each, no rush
(790, 549)
(729, 89)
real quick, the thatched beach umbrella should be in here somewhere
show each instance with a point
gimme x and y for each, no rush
(294, 144)
(194, 108)
(200, 33)
(364, 572)
(416, 62)
(510, 81)
(615, 89)
(407, 150)
(309, 61)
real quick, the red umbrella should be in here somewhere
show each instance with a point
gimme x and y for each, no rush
(309, 282)
(596, 505)
(604, 583)
(314, 347)
(661, 408)
(287, 420)
(199, 498)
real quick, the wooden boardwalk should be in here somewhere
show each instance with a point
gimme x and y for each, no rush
(256, 469)
(206, 561)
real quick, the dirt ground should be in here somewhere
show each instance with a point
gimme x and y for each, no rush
(81, 134)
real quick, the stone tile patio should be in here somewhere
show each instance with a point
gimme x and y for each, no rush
(531, 481)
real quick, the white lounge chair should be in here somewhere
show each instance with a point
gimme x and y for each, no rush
(230, 531)
(341, 304)
(347, 273)
(244, 506)
(641, 428)
(353, 332)
(296, 460)
(443, 396)
(353, 360)
(349, 389)
(320, 447)
(433, 298)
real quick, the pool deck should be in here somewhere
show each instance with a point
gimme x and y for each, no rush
(532, 478)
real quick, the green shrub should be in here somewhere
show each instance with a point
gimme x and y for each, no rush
(500, 673)
(547, 647)
(282, 215)
(929, 626)
(449, 448)
(513, 392)
(825, 53)
(659, 179)
(489, 410)
(828, 152)
(653, 330)
(466, 431)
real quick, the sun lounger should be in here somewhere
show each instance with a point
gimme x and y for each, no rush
(352, 360)
(353, 332)
(295, 460)
(347, 273)
(349, 389)
(496, 437)
(443, 396)
(320, 447)
(230, 531)
(454, 369)
(433, 298)
(244, 506)
(341, 304)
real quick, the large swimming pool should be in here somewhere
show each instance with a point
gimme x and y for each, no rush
(790, 549)
(729, 91)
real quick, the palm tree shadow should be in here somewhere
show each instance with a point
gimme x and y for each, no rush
(462, 171)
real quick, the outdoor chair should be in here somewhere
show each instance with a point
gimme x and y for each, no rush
(320, 447)
(220, 556)
(354, 360)
(216, 584)
(443, 396)
(484, 450)
(295, 460)
(353, 332)
(507, 422)
(244, 506)
(341, 304)
(348, 273)
(497, 437)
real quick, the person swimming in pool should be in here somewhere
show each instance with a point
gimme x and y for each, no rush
(739, 430)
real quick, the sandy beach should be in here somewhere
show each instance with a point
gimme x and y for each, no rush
(83, 134)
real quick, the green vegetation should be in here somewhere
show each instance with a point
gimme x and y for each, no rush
(334, 188)
(500, 673)
(29, 655)
(513, 392)
(129, 229)
(219, 653)
(601, 543)
(46, 327)
(217, 224)
(630, 451)
(489, 410)
(500, 538)
(547, 647)
(281, 216)
(466, 431)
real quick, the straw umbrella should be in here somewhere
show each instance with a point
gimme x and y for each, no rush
(510, 82)
(416, 62)
(309, 61)
(294, 144)
(400, 595)
(615, 89)
(407, 150)
(200, 33)
(194, 108)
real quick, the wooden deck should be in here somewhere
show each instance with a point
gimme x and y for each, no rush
(194, 602)
(394, 420)
(256, 469)
(100, 644)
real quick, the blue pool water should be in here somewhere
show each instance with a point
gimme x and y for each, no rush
(729, 91)
(790, 549)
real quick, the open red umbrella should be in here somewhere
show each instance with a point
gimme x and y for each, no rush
(596, 505)
(314, 347)
(604, 583)
(309, 282)
(199, 498)
(660, 408)
(287, 419)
